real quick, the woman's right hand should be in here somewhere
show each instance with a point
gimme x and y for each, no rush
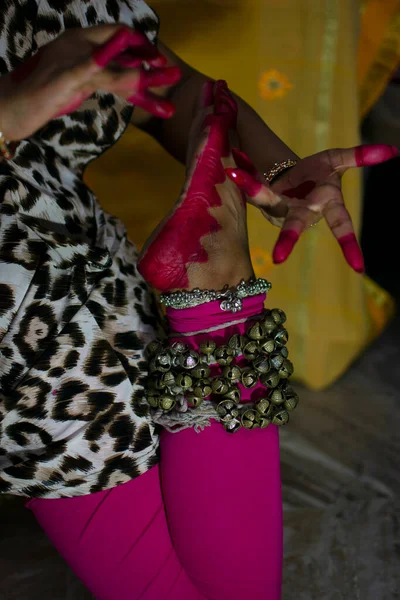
(68, 70)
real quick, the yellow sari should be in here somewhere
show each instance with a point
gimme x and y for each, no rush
(294, 61)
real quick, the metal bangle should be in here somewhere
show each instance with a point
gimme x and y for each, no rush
(231, 299)
(278, 168)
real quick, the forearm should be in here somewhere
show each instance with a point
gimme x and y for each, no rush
(255, 137)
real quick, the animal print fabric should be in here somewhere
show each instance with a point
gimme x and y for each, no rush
(75, 314)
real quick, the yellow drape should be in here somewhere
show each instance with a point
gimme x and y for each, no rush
(295, 62)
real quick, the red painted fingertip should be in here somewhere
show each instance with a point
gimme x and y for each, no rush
(108, 51)
(374, 154)
(160, 77)
(207, 94)
(244, 181)
(284, 246)
(243, 161)
(352, 252)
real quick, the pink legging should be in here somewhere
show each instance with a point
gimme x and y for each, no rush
(206, 524)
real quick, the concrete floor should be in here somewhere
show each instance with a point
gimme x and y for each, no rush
(341, 486)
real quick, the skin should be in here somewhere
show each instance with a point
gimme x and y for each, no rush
(203, 241)
(304, 199)
(71, 68)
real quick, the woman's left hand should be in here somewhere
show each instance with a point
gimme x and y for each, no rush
(308, 192)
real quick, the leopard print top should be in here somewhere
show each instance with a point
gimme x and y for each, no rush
(75, 314)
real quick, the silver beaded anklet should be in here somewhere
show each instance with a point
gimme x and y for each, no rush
(231, 299)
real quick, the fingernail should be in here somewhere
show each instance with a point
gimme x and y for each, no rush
(352, 252)
(244, 181)
(117, 44)
(207, 94)
(284, 246)
(167, 76)
(374, 154)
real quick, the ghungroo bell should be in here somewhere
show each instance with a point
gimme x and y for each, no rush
(281, 337)
(278, 316)
(251, 350)
(167, 403)
(267, 346)
(202, 388)
(262, 364)
(249, 419)
(189, 360)
(280, 418)
(219, 386)
(194, 401)
(224, 355)
(163, 361)
(178, 348)
(249, 378)
(184, 381)
(227, 410)
(256, 332)
(277, 360)
(269, 325)
(207, 347)
(286, 370)
(276, 397)
(233, 395)
(232, 373)
(270, 379)
(201, 371)
(236, 343)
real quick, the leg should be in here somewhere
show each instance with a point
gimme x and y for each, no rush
(117, 542)
(223, 500)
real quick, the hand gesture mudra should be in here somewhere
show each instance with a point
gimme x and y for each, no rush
(68, 70)
(307, 193)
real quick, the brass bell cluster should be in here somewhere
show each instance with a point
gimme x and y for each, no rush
(178, 373)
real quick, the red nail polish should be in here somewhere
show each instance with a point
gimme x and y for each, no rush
(284, 245)
(352, 252)
(244, 181)
(374, 154)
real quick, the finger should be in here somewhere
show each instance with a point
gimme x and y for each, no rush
(159, 77)
(153, 104)
(123, 39)
(259, 194)
(339, 221)
(134, 58)
(244, 162)
(361, 156)
(296, 222)
(110, 49)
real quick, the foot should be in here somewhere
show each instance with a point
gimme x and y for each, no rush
(202, 242)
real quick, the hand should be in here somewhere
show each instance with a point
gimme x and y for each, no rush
(68, 70)
(308, 192)
(203, 242)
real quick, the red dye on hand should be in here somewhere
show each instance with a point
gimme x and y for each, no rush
(284, 246)
(244, 181)
(374, 154)
(244, 162)
(179, 243)
(352, 252)
(110, 50)
(301, 191)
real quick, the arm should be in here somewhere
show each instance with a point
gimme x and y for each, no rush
(255, 137)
